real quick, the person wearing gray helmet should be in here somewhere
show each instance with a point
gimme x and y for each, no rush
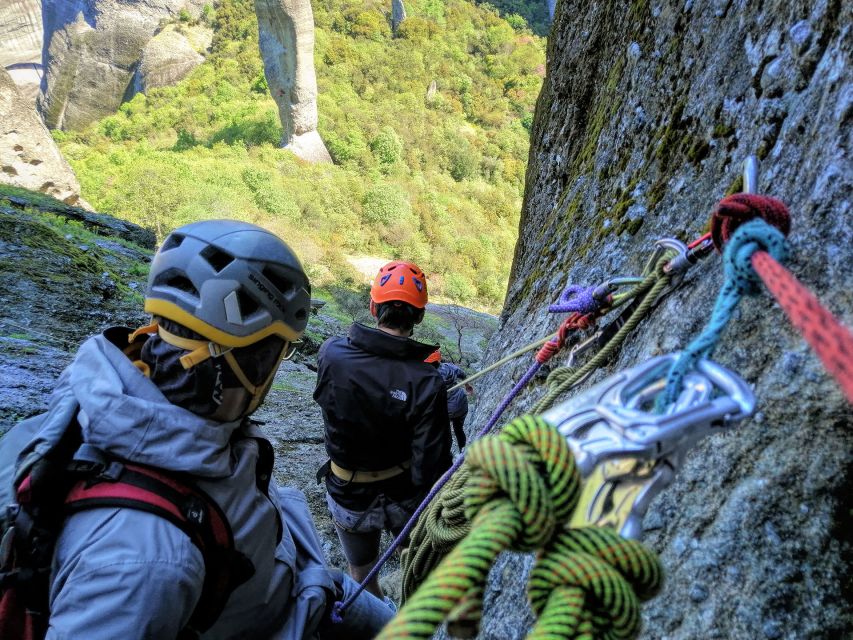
(228, 299)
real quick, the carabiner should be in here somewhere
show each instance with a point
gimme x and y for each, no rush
(663, 246)
(627, 453)
(602, 291)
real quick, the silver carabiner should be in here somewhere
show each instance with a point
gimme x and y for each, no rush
(628, 454)
(662, 246)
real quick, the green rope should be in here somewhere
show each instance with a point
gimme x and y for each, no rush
(522, 488)
(591, 577)
(444, 524)
(502, 361)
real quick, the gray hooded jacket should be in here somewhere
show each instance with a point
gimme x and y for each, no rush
(123, 573)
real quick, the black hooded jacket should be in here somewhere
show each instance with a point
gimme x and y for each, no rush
(382, 406)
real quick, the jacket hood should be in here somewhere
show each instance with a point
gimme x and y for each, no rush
(123, 413)
(387, 345)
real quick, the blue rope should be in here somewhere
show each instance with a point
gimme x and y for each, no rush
(740, 280)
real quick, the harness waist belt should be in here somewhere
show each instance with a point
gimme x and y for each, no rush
(369, 476)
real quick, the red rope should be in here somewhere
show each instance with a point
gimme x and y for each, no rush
(732, 211)
(572, 323)
(830, 339)
(699, 241)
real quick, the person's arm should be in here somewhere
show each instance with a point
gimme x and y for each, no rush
(122, 573)
(431, 437)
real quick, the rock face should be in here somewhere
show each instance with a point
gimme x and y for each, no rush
(398, 14)
(286, 37)
(21, 44)
(167, 59)
(28, 155)
(60, 282)
(647, 112)
(92, 48)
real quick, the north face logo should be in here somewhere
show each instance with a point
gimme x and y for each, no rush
(398, 394)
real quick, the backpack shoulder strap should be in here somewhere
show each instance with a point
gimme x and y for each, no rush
(186, 506)
(264, 467)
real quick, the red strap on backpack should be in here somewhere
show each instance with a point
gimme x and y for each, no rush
(28, 544)
(186, 506)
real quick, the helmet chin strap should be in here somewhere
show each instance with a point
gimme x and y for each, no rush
(201, 350)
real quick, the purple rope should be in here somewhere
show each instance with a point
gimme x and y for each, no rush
(340, 608)
(576, 298)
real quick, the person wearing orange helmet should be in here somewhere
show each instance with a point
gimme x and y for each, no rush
(385, 412)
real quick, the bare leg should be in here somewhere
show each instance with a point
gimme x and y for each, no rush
(359, 573)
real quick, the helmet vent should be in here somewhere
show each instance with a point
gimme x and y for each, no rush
(248, 305)
(282, 283)
(182, 283)
(172, 242)
(217, 258)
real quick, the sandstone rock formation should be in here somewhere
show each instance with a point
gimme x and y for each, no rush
(92, 48)
(647, 112)
(28, 155)
(286, 37)
(398, 14)
(167, 59)
(552, 7)
(21, 44)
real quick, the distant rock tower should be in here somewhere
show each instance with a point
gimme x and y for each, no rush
(552, 6)
(21, 44)
(29, 157)
(398, 14)
(286, 38)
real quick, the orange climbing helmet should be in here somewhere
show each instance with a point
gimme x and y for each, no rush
(400, 281)
(435, 356)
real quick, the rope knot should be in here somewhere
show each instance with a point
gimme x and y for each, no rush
(529, 464)
(747, 239)
(588, 582)
(574, 322)
(548, 350)
(576, 298)
(736, 209)
(337, 612)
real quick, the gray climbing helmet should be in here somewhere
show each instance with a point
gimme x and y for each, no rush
(232, 282)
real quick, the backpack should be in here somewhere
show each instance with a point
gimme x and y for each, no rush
(73, 476)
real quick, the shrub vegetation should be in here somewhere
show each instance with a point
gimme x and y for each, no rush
(430, 175)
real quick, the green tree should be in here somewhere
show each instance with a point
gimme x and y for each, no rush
(386, 147)
(385, 204)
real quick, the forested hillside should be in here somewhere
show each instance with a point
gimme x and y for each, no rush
(428, 131)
